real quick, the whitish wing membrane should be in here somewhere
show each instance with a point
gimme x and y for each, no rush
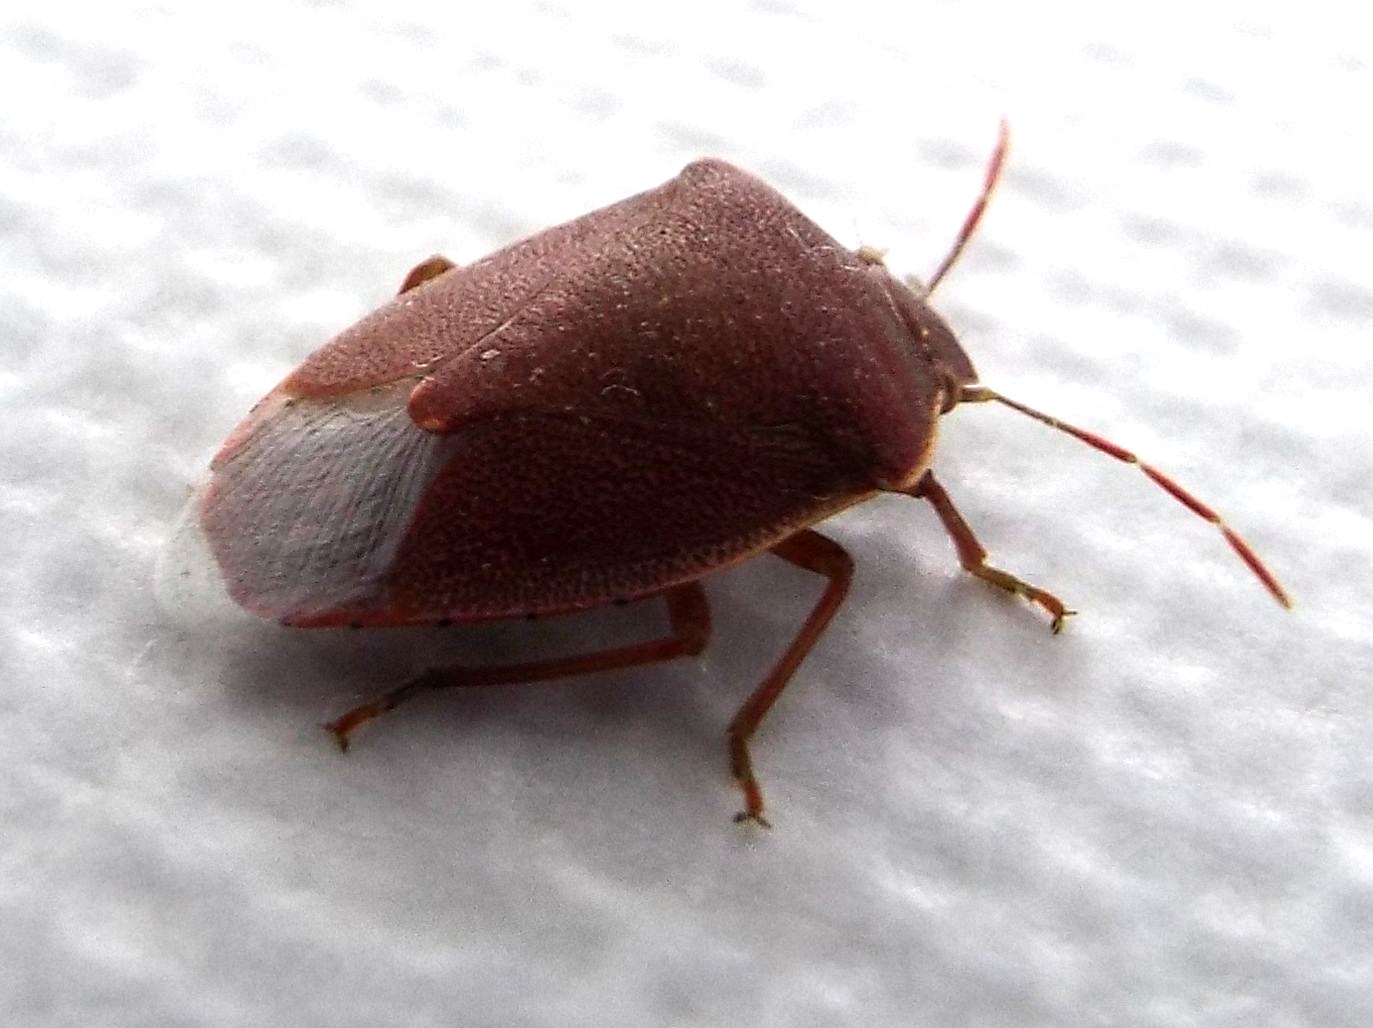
(307, 514)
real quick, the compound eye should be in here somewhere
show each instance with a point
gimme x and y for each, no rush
(950, 389)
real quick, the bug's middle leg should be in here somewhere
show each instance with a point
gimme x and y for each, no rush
(973, 556)
(688, 614)
(810, 550)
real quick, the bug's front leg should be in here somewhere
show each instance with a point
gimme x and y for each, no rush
(973, 556)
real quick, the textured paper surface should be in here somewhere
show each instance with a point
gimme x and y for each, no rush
(1158, 818)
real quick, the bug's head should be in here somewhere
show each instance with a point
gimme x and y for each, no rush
(930, 335)
(936, 342)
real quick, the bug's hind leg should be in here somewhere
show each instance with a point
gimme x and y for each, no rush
(973, 556)
(814, 552)
(688, 614)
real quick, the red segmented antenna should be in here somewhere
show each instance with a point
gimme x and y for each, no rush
(994, 166)
(981, 394)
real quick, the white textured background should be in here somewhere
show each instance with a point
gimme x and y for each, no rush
(1159, 818)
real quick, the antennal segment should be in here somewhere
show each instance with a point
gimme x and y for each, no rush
(994, 166)
(981, 394)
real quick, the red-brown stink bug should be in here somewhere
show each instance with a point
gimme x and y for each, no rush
(608, 410)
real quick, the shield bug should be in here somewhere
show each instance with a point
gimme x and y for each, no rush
(606, 411)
